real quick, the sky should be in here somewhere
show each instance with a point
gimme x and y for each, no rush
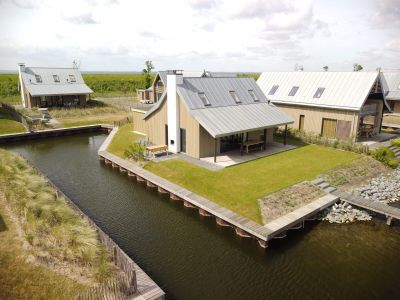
(217, 35)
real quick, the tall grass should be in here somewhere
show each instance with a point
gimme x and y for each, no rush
(51, 227)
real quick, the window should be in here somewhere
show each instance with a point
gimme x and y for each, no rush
(319, 92)
(273, 90)
(204, 99)
(301, 122)
(235, 97)
(253, 95)
(72, 78)
(293, 91)
(56, 78)
(38, 78)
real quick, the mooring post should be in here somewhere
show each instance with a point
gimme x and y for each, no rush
(389, 220)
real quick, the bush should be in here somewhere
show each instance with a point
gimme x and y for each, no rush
(395, 143)
(135, 151)
(312, 138)
(385, 156)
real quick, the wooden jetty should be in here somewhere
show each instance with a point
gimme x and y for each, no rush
(389, 212)
(224, 217)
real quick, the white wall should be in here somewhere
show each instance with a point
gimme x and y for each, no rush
(173, 112)
(21, 68)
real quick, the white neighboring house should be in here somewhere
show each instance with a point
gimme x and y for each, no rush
(47, 87)
(341, 105)
(390, 80)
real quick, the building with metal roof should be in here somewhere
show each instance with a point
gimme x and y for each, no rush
(205, 116)
(390, 80)
(342, 105)
(45, 87)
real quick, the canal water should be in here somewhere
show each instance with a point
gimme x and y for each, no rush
(191, 257)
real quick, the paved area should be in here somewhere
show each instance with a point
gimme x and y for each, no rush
(375, 141)
(232, 158)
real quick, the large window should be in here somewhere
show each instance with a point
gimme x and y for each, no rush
(38, 78)
(204, 99)
(319, 92)
(235, 97)
(253, 95)
(72, 78)
(273, 90)
(293, 91)
(56, 78)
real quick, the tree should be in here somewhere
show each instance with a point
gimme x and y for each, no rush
(357, 67)
(326, 68)
(146, 73)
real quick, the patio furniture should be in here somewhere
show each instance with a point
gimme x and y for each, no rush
(152, 150)
(250, 143)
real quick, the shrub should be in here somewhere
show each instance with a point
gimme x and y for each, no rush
(385, 156)
(395, 143)
(135, 151)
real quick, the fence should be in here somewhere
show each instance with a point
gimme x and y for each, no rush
(123, 121)
(123, 285)
(16, 115)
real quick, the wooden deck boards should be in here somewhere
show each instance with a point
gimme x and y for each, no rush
(372, 205)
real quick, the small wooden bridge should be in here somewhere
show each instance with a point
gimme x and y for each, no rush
(389, 211)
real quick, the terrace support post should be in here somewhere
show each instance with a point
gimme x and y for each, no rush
(242, 144)
(389, 220)
(265, 139)
(215, 150)
(285, 135)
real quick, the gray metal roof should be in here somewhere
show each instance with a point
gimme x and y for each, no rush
(49, 87)
(163, 75)
(217, 91)
(224, 116)
(227, 120)
(390, 80)
(343, 90)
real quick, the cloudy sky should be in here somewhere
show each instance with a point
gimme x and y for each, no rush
(220, 35)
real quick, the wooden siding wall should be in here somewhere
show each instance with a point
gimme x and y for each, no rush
(139, 125)
(192, 127)
(313, 117)
(207, 143)
(155, 125)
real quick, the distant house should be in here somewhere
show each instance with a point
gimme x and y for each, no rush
(338, 105)
(47, 87)
(204, 116)
(154, 93)
(390, 80)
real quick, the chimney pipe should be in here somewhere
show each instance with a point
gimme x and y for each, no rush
(21, 67)
(174, 78)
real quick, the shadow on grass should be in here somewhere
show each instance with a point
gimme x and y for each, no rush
(3, 226)
(290, 140)
(6, 115)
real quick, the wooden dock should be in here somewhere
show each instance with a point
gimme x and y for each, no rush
(243, 226)
(296, 218)
(389, 211)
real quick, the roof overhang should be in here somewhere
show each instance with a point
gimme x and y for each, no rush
(348, 108)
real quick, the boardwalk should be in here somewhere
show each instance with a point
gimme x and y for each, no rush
(389, 211)
(224, 217)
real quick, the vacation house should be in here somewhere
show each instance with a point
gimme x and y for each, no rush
(338, 105)
(46, 87)
(204, 116)
(390, 80)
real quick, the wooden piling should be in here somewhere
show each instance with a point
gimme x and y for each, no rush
(188, 205)
(242, 233)
(150, 184)
(203, 213)
(161, 190)
(389, 220)
(221, 222)
(174, 197)
(122, 170)
(263, 244)
(130, 174)
(140, 178)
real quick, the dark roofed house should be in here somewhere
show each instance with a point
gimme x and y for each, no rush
(204, 116)
(390, 80)
(46, 87)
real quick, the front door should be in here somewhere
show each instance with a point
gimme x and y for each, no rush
(183, 140)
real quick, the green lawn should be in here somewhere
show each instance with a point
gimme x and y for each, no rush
(8, 124)
(122, 139)
(239, 187)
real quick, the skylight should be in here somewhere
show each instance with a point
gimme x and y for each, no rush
(56, 78)
(235, 97)
(293, 91)
(273, 90)
(319, 92)
(72, 78)
(204, 99)
(253, 95)
(38, 78)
